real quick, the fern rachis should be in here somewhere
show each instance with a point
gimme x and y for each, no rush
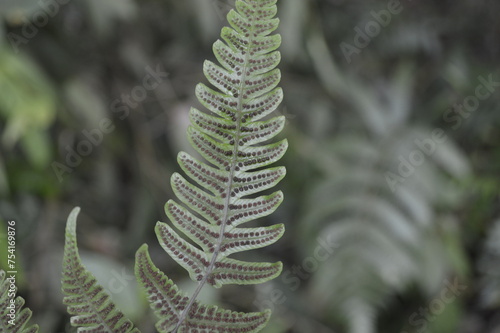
(235, 141)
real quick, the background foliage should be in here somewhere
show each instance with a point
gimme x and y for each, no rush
(360, 255)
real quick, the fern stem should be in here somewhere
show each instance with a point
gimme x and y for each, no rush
(229, 189)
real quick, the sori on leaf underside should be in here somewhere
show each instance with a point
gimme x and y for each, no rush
(232, 136)
(13, 318)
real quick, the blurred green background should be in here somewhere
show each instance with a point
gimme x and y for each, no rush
(392, 193)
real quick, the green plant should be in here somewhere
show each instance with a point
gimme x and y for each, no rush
(27, 109)
(13, 318)
(235, 141)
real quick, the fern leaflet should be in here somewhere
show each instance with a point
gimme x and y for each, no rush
(90, 305)
(11, 309)
(233, 139)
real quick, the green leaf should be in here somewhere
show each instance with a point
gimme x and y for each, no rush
(27, 103)
(90, 306)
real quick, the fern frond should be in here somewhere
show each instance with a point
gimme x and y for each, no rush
(90, 306)
(233, 136)
(387, 235)
(11, 309)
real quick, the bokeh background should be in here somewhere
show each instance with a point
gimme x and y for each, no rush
(392, 193)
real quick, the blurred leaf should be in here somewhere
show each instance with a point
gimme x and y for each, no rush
(27, 99)
(454, 247)
(388, 236)
(294, 14)
(28, 105)
(447, 320)
(37, 146)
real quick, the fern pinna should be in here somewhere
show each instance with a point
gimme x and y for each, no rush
(229, 139)
(233, 137)
(13, 318)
